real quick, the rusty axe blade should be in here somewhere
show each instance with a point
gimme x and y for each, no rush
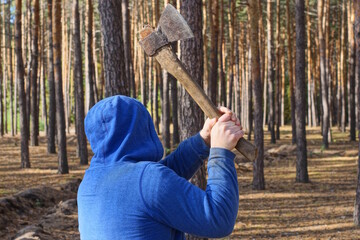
(173, 27)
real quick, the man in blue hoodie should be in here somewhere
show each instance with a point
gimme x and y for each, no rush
(130, 192)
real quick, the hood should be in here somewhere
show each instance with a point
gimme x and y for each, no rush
(120, 129)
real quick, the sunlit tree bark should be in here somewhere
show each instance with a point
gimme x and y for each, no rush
(63, 167)
(25, 162)
(301, 156)
(258, 170)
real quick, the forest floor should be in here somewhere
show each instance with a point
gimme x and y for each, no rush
(40, 202)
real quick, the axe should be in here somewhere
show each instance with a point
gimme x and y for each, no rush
(156, 43)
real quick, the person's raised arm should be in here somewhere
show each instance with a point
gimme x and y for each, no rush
(173, 201)
(191, 153)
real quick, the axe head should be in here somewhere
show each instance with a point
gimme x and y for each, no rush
(172, 27)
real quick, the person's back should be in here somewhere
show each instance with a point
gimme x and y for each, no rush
(130, 193)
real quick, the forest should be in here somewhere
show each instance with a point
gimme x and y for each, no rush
(288, 69)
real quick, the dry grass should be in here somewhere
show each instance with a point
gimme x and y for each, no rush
(43, 169)
(321, 209)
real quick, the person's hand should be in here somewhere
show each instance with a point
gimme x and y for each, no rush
(226, 133)
(205, 133)
(233, 116)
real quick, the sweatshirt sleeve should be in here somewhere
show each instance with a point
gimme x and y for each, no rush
(173, 201)
(188, 157)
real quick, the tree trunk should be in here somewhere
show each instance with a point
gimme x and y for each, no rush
(28, 60)
(157, 72)
(221, 50)
(34, 76)
(214, 32)
(278, 72)
(165, 107)
(282, 87)
(291, 70)
(338, 85)
(205, 39)
(60, 114)
(343, 67)
(25, 162)
(270, 73)
(351, 73)
(249, 90)
(51, 83)
(1, 77)
(79, 91)
(7, 66)
(237, 78)
(11, 85)
(114, 61)
(311, 101)
(89, 61)
(175, 101)
(301, 157)
(357, 38)
(127, 46)
(43, 69)
(231, 71)
(324, 83)
(258, 170)
(191, 116)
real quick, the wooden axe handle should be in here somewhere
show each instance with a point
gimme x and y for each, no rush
(170, 62)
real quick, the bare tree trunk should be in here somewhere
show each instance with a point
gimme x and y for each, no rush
(157, 71)
(114, 63)
(52, 100)
(89, 61)
(270, 73)
(357, 38)
(192, 117)
(282, 87)
(205, 38)
(60, 114)
(25, 162)
(301, 157)
(10, 61)
(214, 32)
(79, 92)
(258, 170)
(43, 68)
(7, 62)
(249, 85)
(338, 85)
(165, 107)
(231, 71)
(127, 46)
(308, 37)
(2, 23)
(324, 83)
(28, 60)
(327, 60)
(237, 78)
(351, 76)
(1, 77)
(291, 70)
(34, 76)
(343, 67)
(278, 72)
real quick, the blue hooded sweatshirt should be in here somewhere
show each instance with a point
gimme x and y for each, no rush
(130, 192)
